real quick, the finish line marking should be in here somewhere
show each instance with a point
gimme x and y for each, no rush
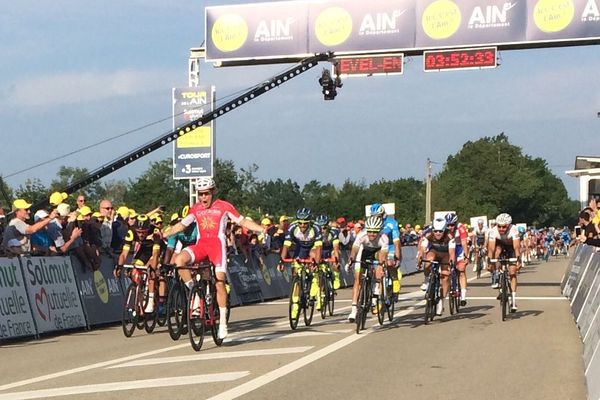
(214, 356)
(521, 298)
(126, 385)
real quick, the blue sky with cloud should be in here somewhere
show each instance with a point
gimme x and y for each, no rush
(74, 73)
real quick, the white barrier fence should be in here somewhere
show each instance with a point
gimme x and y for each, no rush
(581, 285)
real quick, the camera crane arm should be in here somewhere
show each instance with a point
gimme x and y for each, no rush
(142, 151)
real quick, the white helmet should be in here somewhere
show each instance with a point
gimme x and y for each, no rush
(439, 224)
(204, 183)
(374, 223)
(504, 219)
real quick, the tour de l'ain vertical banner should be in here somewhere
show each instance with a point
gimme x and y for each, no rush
(193, 153)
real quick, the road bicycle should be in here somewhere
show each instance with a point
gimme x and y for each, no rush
(454, 292)
(386, 297)
(326, 291)
(434, 287)
(135, 302)
(505, 296)
(366, 300)
(300, 298)
(203, 309)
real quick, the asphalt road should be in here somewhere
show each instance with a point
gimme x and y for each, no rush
(535, 354)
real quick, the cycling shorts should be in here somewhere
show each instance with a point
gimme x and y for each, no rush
(211, 248)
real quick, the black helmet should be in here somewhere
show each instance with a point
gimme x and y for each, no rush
(142, 222)
(322, 220)
(303, 214)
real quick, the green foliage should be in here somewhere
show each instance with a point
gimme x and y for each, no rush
(6, 195)
(68, 175)
(490, 176)
(32, 191)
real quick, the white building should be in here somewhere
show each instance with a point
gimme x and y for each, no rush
(587, 169)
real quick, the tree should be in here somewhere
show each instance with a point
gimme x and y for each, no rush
(156, 186)
(407, 194)
(491, 175)
(33, 191)
(6, 195)
(69, 175)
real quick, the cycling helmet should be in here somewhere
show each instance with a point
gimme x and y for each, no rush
(374, 223)
(439, 224)
(522, 230)
(142, 222)
(377, 209)
(479, 221)
(322, 220)
(451, 218)
(303, 214)
(504, 219)
(204, 183)
(492, 222)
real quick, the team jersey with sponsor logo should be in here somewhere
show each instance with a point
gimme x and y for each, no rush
(211, 222)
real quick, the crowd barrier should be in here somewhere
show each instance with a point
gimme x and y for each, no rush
(581, 285)
(49, 294)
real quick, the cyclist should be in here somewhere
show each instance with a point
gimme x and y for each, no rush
(211, 216)
(504, 240)
(391, 230)
(480, 234)
(459, 233)
(331, 247)
(308, 242)
(370, 244)
(145, 247)
(438, 245)
(181, 240)
(565, 237)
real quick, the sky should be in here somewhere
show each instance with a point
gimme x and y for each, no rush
(77, 73)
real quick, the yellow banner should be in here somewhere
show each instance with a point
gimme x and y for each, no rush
(199, 137)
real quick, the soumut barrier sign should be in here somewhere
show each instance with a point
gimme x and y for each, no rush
(296, 29)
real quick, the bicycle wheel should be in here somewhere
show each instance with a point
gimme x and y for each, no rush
(361, 306)
(368, 301)
(503, 295)
(479, 266)
(391, 304)
(294, 315)
(150, 319)
(330, 296)
(196, 316)
(430, 299)
(309, 304)
(323, 294)
(215, 315)
(128, 320)
(228, 314)
(161, 317)
(176, 306)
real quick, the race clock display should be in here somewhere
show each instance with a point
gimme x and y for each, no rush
(386, 64)
(446, 60)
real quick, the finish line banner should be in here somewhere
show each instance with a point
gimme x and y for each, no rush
(194, 152)
(298, 29)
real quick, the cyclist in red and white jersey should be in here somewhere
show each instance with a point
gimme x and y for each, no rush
(211, 216)
(504, 239)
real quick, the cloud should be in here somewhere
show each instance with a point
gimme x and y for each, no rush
(86, 87)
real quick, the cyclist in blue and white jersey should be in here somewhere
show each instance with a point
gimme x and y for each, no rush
(330, 247)
(392, 231)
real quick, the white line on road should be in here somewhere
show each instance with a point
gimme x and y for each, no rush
(215, 356)
(520, 298)
(293, 366)
(126, 385)
(90, 366)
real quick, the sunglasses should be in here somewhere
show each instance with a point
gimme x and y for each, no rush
(200, 194)
(438, 231)
(107, 208)
(303, 222)
(372, 231)
(502, 226)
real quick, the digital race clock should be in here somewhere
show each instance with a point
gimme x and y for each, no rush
(443, 60)
(385, 64)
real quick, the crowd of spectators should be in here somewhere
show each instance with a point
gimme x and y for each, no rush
(589, 223)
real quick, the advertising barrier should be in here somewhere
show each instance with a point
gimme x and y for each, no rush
(53, 295)
(581, 284)
(244, 280)
(100, 292)
(15, 314)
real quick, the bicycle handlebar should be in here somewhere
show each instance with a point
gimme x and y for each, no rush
(130, 266)
(509, 260)
(298, 260)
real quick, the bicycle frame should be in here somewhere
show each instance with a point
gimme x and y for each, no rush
(505, 287)
(300, 291)
(365, 293)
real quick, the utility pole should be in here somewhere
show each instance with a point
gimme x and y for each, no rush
(428, 192)
(196, 54)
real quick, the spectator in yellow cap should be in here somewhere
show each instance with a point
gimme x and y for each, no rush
(16, 236)
(131, 217)
(278, 236)
(57, 198)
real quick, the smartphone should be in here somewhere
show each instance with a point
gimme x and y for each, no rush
(577, 231)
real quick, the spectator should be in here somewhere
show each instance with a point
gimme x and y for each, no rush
(279, 234)
(90, 233)
(344, 233)
(240, 241)
(80, 201)
(120, 227)
(41, 244)
(16, 236)
(107, 212)
(2, 223)
(58, 225)
(585, 220)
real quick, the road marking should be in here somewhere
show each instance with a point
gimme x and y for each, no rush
(214, 356)
(90, 366)
(271, 336)
(521, 298)
(126, 385)
(262, 380)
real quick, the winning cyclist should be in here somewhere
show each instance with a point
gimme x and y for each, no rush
(504, 239)
(438, 245)
(308, 242)
(211, 216)
(370, 244)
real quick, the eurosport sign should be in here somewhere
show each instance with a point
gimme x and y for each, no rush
(294, 29)
(193, 153)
